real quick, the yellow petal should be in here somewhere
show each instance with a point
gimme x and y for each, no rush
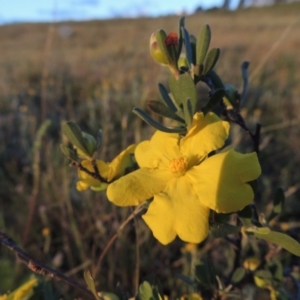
(82, 186)
(118, 166)
(206, 134)
(220, 180)
(138, 186)
(178, 211)
(158, 152)
(25, 290)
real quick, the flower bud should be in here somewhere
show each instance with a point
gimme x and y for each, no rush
(157, 54)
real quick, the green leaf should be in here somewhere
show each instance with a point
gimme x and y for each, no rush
(144, 116)
(198, 70)
(193, 42)
(202, 45)
(175, 91)
(204, 274)
(167, 99)
(275, 267)
(188, 48)
(188, 112)
(74, 135)
(245, 76)
(282, 240)
(263, 278)
(90, 283)
(211, 60)
(231, 96)
(222, 230)
(146, 292)
(69, 152)
(162, 110)
(90, 143)
(259, 230)
(215, 79)
(215, 99)
(180, 38)
(183, 88)
(108, 296)
(186, 279)
(238, 275)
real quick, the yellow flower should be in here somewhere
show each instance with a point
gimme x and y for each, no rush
(25, 291)
(108, 171)
(185, 182)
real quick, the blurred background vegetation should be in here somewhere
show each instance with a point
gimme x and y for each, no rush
(94, 73)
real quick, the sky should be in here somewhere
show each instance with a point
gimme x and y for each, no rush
(56, 10)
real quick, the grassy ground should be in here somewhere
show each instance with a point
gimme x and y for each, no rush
(94, 73)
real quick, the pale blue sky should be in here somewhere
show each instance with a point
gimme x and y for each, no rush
(48, 10)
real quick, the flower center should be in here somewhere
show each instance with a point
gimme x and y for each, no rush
(179, 165)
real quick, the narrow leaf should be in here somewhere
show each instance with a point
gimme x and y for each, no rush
(204, 274)
(193, 42)
(282, 240)
(186, 279)
(69, 152)
(180, 39)
(90, 283)
(263, 278)
(276, 268)
(238, 275)
(166, 98)
(162, 110)
(203, 42)
(215, 99)
(108, 296)
(175, 90)
(146, 292)
(211, 60)
(74, 135)
(187, 45)
(198, 70)
(188, 112)
(144, 116)
(245, 76)
(216, 80)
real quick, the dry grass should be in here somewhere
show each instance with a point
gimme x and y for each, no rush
(96, 72)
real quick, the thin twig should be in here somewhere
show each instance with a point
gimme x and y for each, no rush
(137, 210)
(37, 266)
(95, 175)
